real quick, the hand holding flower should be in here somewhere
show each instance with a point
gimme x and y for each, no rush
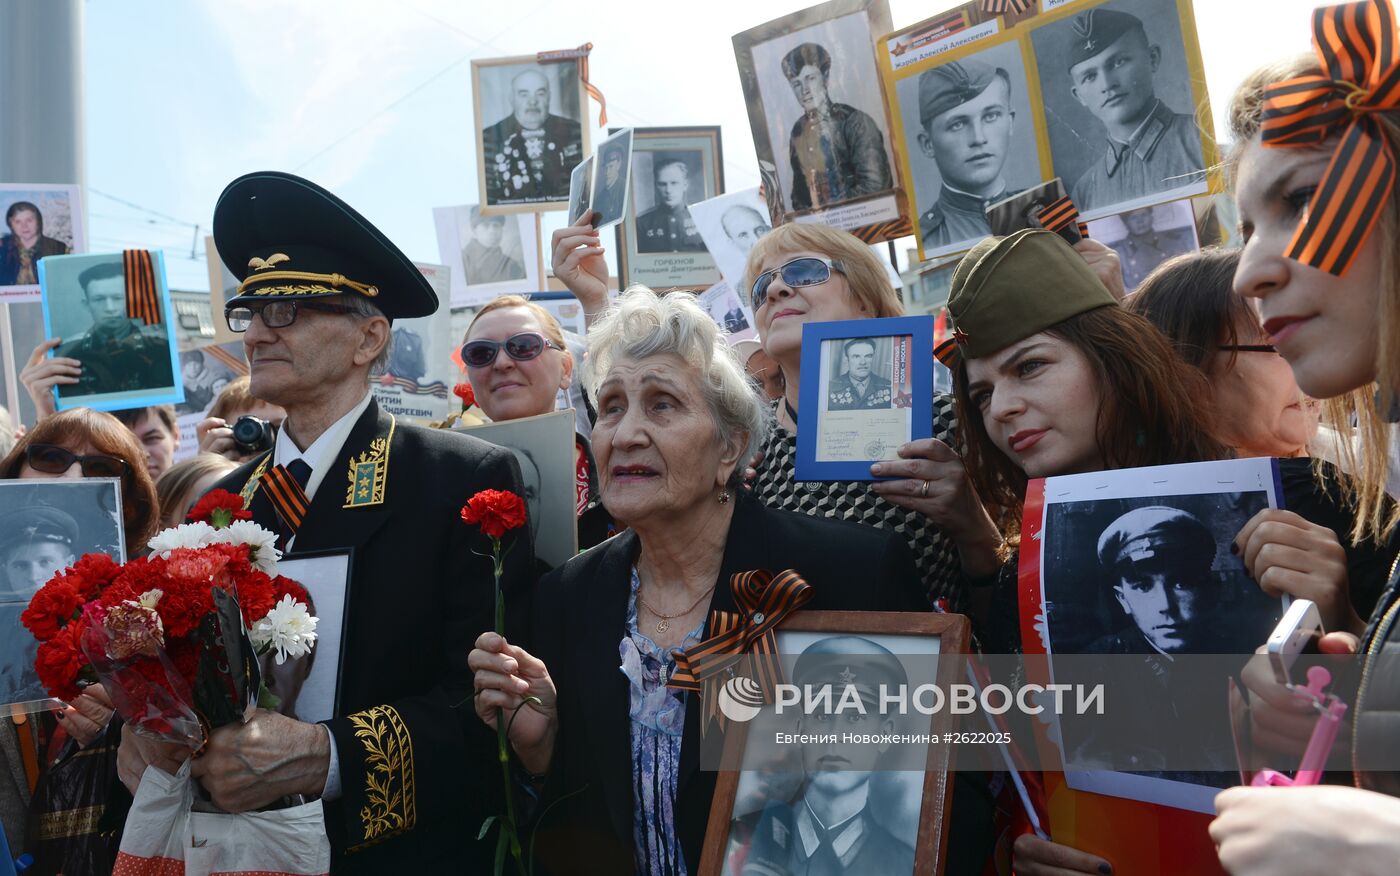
(507, 678)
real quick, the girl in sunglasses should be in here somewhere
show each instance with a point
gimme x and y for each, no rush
(517, 364)
(79, 443)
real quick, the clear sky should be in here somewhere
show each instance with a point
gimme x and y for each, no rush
(372, 99)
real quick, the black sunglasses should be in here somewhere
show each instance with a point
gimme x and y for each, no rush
(522, 348)
(1249, 348)
(52, 459)
(275, 314)
(806, 271)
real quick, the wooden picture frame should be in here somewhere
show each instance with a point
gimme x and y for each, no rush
(513, 175)
(949, 633)
(859, 192)
(683, 263)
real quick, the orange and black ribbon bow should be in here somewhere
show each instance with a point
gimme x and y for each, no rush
(139, 271)
(764, 600)
(1356, 43)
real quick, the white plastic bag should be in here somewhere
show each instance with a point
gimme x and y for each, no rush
(163, 837)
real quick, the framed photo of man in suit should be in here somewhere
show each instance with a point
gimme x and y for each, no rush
(531, 131)
(40, 221)
(819, 121)
(113, 314)
(796, 797)
(658, 242)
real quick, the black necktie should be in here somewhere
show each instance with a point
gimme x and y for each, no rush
(285, 486)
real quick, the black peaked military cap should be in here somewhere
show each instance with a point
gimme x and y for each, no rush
(286, 238)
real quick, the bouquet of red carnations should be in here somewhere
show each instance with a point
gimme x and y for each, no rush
(175, 639)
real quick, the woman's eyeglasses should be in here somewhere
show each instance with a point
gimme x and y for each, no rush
(275, 314)
(806, 271)
(522, 348)
(1249, 348)
(52, 459)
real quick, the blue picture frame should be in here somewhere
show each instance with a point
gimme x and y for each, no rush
(58, 286)
(813, 413)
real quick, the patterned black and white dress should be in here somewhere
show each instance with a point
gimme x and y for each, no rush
(936, 556)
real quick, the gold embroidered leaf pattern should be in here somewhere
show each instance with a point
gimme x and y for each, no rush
(391, 797)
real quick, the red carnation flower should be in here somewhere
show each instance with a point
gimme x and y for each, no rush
(287, 587)
(51, 608)
(219, 508)
(495, 511)
(59, 661)
(465, 392)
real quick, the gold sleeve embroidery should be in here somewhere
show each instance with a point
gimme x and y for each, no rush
(392, 804)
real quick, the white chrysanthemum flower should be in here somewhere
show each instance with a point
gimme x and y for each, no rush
(262, 544)
(289, 629)
(186, 535)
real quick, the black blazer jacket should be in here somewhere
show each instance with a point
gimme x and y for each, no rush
(578, 621)
(411, 759)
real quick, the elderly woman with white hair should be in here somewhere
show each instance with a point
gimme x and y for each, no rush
(617, 750)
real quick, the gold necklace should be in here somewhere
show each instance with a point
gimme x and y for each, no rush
(664, 623)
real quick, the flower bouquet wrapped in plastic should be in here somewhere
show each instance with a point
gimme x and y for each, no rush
(175, 638)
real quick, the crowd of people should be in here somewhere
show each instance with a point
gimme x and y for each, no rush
(688, 478)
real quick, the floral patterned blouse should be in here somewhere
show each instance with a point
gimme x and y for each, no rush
(658, 722)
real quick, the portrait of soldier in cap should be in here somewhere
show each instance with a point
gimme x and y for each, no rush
(485, 258)
(528, 154)
(36, 542)
(611, 198)
(1145, 246)
(668, 226)
(1115, 71)
(829, 825)
(857, 385)
(118, 353)
(837, 151)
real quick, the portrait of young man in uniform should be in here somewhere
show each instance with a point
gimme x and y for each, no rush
(668, 226)
(484, 257)
(118, 353)
(1145, 246)
(528, 154)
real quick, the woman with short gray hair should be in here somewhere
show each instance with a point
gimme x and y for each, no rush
(677, 420)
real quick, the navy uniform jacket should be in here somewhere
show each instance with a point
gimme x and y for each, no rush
(579, 618)
(836, 158)
(841, 394)
(137, 358)
(415, 772)
(957, 217)
(523, 166)
(1164, 153)
(668, 229)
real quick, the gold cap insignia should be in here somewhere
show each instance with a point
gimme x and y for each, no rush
(276, 258)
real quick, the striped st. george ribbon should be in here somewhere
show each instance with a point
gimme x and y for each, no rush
(139, 271)
(764, 600)
(287, 496)
(1000, 7)
(1356, 43)
(1058, 215)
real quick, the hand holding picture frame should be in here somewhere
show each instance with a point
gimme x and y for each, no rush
(865, 390)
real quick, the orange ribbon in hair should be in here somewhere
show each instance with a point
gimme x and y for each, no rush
(764, 600)
(139, 272)
(1356, 43)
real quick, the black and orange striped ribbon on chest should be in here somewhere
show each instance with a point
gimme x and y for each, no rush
(142, 300)
(287, 496)
(1356, 43)
(764, 600)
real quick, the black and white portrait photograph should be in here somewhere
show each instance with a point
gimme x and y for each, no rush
(1025, 209)
(544, 447)
(728, 311)
(969, 137)
(45, 526)
(840, 807)
(416, 382)
(580, 190)
(613, 170)
(1142, 573)
(530, 138)
(857, 374)
(730, 225)
(40, 221)
(204, 372)
(113, 316)
(1147, 236)
(824, 114)
(488, 255)
(308, 687)
(1120, 98)
(659, 243)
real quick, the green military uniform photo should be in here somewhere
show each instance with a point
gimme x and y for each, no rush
(117, 353)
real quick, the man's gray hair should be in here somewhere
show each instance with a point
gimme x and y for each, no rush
(363, 308)
(642, 324)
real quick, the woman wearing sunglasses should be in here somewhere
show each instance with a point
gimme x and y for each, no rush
(517, 364)
(80, 443)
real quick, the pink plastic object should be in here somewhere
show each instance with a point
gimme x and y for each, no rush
(1324, 735)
